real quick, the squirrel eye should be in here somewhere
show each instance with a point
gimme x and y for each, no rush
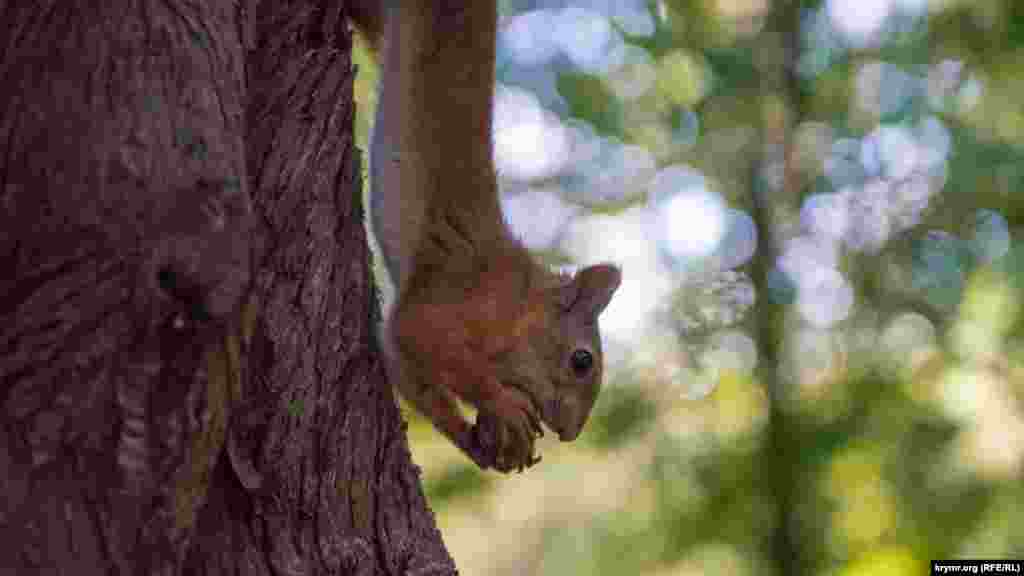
(582, 361)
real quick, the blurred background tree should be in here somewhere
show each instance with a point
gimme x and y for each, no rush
(815, 362)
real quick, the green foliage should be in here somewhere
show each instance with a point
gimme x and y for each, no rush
(615, 542)
(623, 413)
(455, 482)
(590, 100)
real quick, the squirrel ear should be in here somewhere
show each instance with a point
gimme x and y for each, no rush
(590, 290)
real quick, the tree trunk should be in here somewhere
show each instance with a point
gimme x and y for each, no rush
(188, 375)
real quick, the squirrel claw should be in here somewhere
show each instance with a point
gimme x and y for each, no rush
(538, 430)
(507, 435)
(474, 446)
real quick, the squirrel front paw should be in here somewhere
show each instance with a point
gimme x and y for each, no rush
(507, 433)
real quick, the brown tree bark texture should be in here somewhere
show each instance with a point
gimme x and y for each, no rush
(188, 379)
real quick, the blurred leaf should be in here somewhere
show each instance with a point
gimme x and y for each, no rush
(678, 499)
(682, 79)
(455, 482)
(887, 562)
(940, 510)
(625, 543)
(622, 413)
(825, 442)
(591, 101)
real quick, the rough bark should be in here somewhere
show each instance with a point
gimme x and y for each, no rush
(188, 377)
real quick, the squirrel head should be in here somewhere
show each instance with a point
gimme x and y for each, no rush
(560, 365)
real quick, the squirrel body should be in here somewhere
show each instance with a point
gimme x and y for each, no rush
(476, 317)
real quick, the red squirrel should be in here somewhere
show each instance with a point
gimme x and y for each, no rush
(476, 317)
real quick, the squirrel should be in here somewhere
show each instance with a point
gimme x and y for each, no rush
(476, 317)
